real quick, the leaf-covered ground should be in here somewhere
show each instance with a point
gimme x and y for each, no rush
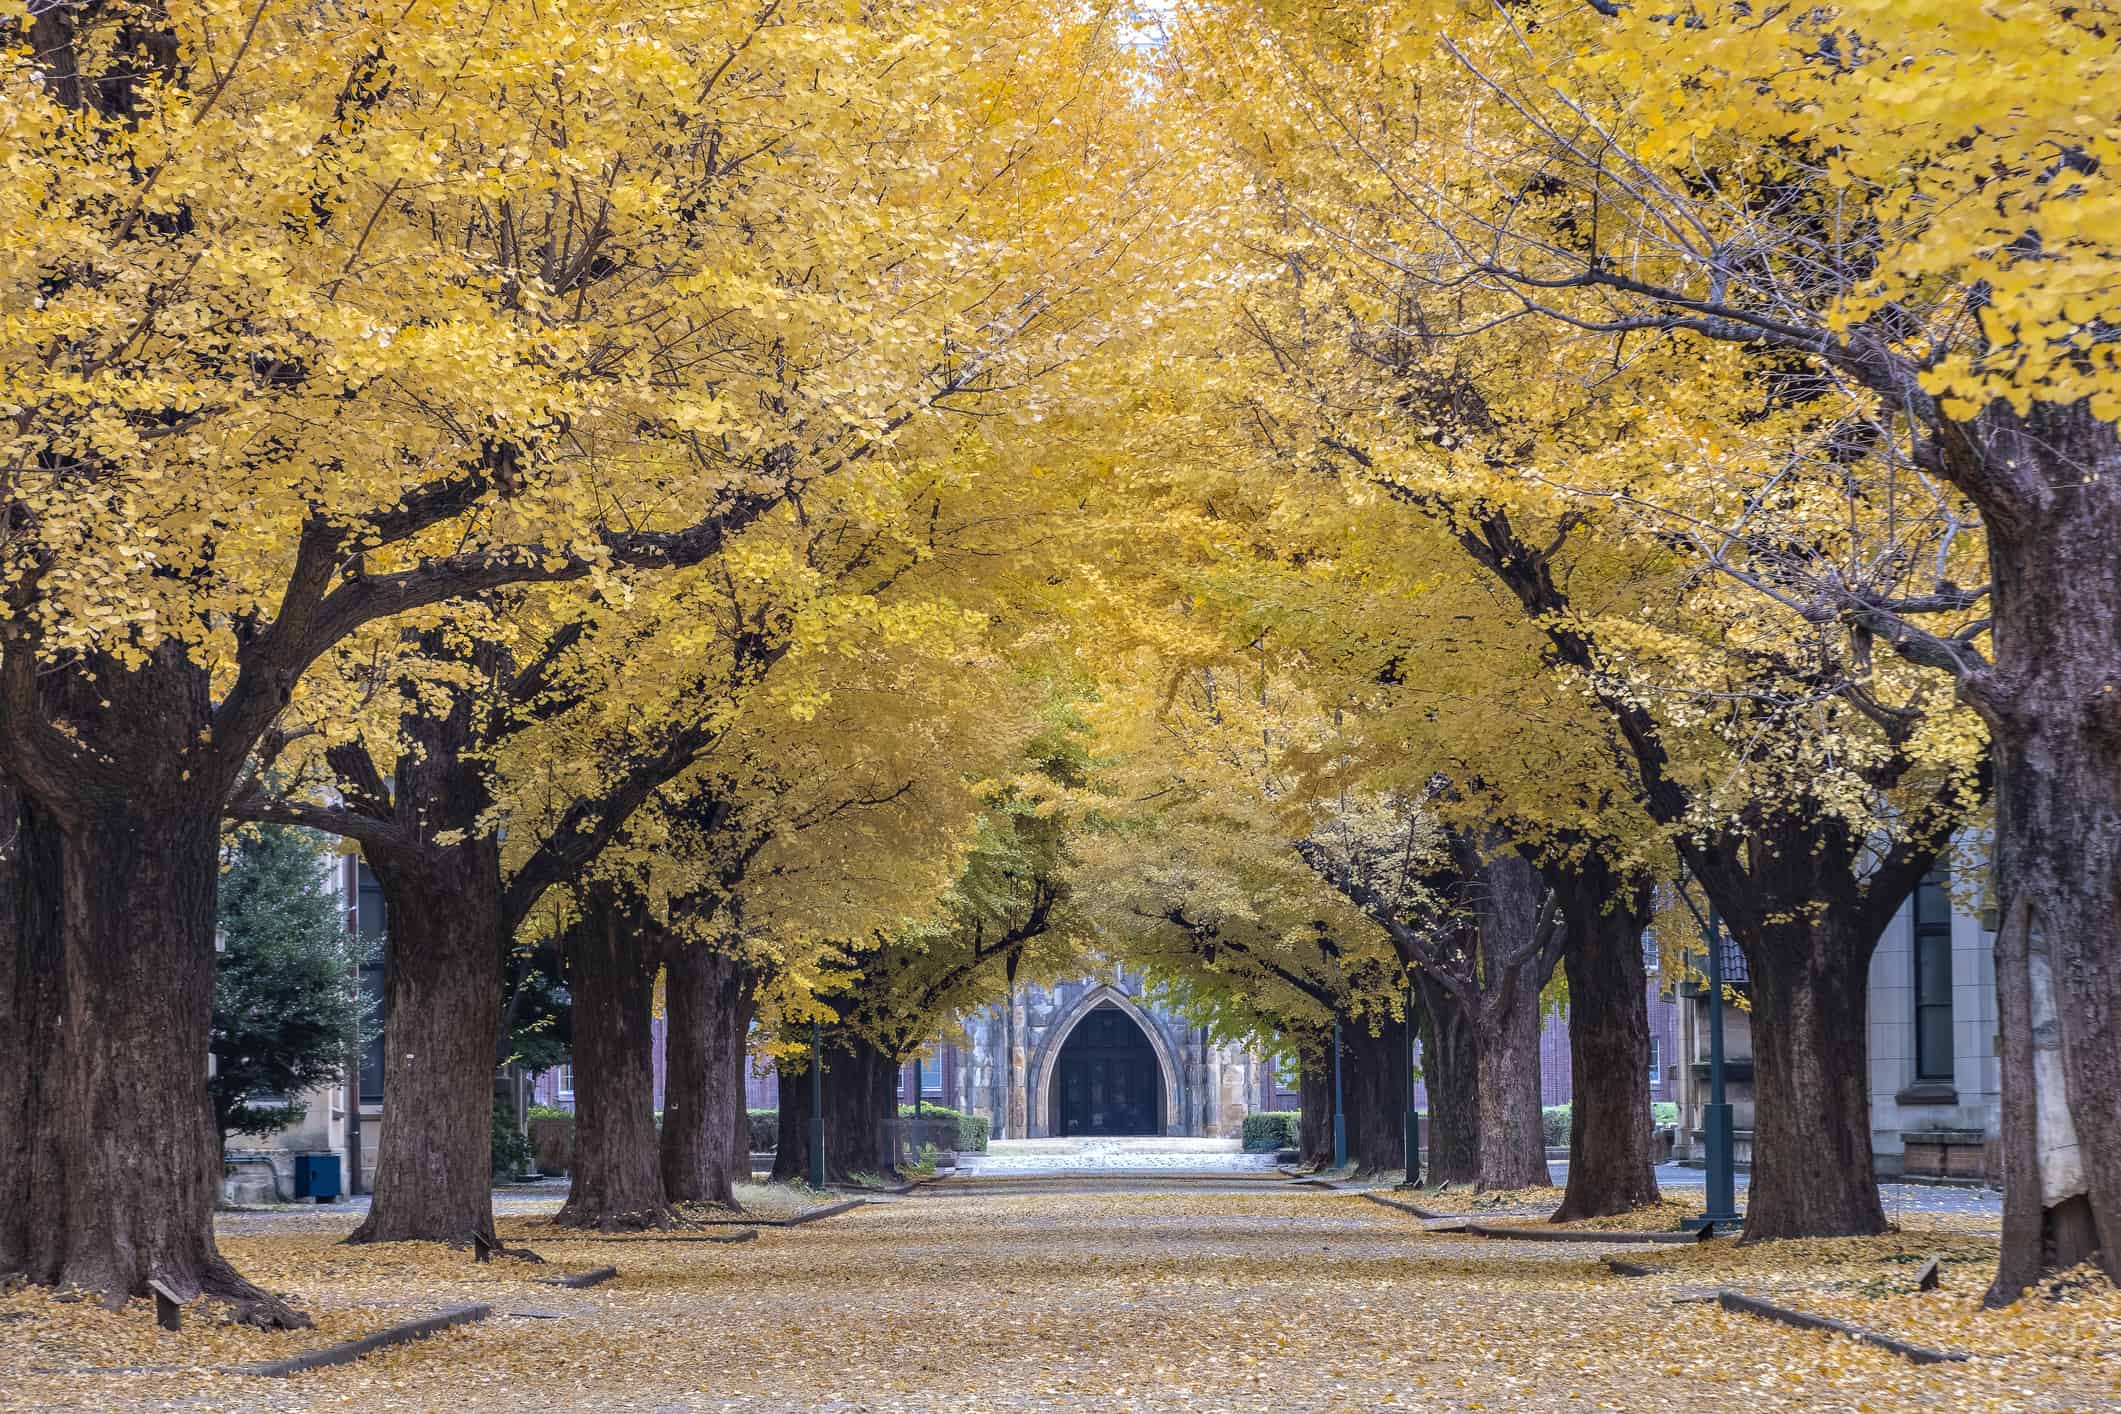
(1229, 1295)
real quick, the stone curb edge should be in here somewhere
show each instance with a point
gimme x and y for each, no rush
(1731, 1300)
(581, 1279)
(346, 1352)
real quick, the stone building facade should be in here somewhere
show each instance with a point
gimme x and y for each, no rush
(1097, 1055)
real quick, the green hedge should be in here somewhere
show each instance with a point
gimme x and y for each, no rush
(1271, 1129)
(765, 1130)
(1557, 1120)
(971, 1129)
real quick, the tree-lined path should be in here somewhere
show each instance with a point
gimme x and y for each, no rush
(1213, 1293)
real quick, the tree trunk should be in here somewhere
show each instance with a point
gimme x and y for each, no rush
(130, 1139)
(1610, 1168)
(1812, 1170)
(1314, 1088)
(1450, 1071)
(860, 1095)
(706, 1149)
(2054, 712)
(442, 1010)
(791, 1150)
(617, 1180)
(32, 1001)
(1513, 1143)
(1375, 1076)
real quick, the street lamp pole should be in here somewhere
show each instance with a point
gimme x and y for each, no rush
(1413, 1176)
(817, 1105)
(1717, 1129)
(1340, 1118)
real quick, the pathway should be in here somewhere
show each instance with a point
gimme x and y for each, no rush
(1112, 1292)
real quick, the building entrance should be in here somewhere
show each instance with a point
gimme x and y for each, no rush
(1106, 1080)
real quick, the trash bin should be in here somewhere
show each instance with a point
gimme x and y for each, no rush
(317, 1176)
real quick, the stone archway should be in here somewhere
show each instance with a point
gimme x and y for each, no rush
(1171, 1106)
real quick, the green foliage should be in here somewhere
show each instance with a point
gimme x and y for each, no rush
(1555, 1120)
(972, 1130)
(1267, 1130)
(548, 1112)
(287, 1013)
(765, 1130)
(1664, 1112)
(512, 1154)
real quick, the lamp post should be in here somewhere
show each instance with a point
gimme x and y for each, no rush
(1413, 1175)
(1722, 1182)
(817, 1105)
(1340, 1118)
(1718, 1136)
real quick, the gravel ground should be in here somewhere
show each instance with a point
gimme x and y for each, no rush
(1129, 1293)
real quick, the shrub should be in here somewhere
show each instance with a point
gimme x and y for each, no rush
(1267, 1130)
(548, 1112)
(512, 1155)
(972, 1130)
(1555, 1120)
(765, 1130)
(1664, 1112)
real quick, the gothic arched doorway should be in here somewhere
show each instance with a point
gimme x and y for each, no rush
(1106, 1079)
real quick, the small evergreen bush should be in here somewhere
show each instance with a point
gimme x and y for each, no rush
(972, 1130)
(512, 1154)
(1267, 1130)
(765, 1130)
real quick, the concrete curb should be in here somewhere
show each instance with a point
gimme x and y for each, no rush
(1405, 1207)
(1580, 1234)
(581, 1279)
(749, 1234)
(346, 1352)
(1621, 1268)
(831, 1210)
(1804, 1320)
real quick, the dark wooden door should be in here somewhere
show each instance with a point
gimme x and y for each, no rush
(1107, 1081)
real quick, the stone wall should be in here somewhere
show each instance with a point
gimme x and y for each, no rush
(1006, 1068)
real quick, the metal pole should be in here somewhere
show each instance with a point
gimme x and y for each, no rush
(1716, 1116)
(916, 1087)
(817, 1105)
(1340, 1119)
(1413, 1175)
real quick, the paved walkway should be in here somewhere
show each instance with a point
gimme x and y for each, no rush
(1133, 1154)
(1125, 1292)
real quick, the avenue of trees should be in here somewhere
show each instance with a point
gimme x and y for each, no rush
(810, 516)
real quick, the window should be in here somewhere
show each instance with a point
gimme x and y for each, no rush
(370, 921)
(1933, 978)
(563, 1081)
(1656, 1061)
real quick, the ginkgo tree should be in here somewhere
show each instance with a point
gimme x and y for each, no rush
(1893, 220)
(329, 318)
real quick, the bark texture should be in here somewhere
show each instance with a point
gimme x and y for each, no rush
(708, 1000)
(1514, 965)
(442, 1005)
(1375, 1077)
(1314, 1084)
(1808, 930)
(32, 1001)
(613, 955)
(1610, 1165)
(2053, 704)
(123, 1169)
(1450, 1070)
(860, 1098)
